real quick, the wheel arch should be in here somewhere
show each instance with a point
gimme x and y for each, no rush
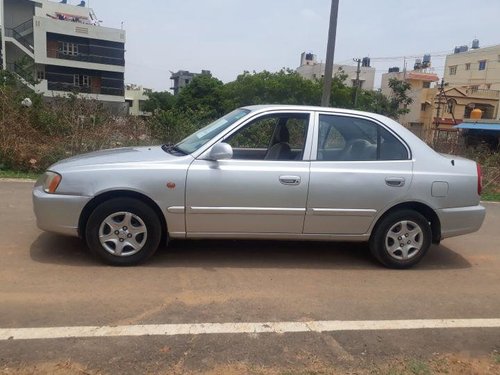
(422, 209)
(97, 200)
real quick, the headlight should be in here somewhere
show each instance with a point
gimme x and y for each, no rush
(51, 181)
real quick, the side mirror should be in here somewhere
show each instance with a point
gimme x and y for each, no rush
(221, 151)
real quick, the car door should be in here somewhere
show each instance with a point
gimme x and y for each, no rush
(360, 168)
(262, 189)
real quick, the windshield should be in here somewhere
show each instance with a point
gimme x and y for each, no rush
(202, 136)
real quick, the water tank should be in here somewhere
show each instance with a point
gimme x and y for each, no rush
(418, 64)
(309, 57)
(365, 62)
(475, 44)
(426, 63)
(456, 50)
(476, 114)
(464, 48)
(394, 69)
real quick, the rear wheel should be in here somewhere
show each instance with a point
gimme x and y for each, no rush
(123, 231)
(401, 239)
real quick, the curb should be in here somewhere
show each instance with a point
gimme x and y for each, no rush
(25, 180)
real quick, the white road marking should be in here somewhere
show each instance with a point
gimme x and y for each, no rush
(235, 328)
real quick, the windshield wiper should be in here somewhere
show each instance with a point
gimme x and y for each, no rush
(173, 149)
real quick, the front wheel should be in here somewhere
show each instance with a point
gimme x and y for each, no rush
(401, 239)
(123, 231)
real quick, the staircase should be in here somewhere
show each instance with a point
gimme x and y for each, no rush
(23, 35)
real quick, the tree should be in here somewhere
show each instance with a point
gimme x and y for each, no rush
(203, 94)
(399, 100)
(283, 87)
(159, 100)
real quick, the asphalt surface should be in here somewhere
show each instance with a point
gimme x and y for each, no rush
(52, 281)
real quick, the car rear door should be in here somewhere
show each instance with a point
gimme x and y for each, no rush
(263, 189)
(359, 168)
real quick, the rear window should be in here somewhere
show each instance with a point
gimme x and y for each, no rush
(344, 138)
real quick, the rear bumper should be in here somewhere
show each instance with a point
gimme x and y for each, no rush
(58, 213)
(460, 220)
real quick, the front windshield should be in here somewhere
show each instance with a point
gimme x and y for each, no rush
(202, 136)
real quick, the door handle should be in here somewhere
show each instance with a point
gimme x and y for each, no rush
(395, 181)
(290, 180)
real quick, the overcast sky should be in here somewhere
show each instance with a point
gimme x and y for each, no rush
(231, 36)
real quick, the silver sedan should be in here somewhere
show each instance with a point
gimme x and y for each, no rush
(267, 172)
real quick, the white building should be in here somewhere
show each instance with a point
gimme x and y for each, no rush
(136, 96)
(310, 68)
(61, 48)
(475, 68)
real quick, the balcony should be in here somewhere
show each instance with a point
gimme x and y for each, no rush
(70, 87)
(85, 57)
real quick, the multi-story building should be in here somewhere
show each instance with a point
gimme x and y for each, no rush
(420, 82)
(475, 68)
(136, 96)
(310, 68)
(58, 48)
(182, 78)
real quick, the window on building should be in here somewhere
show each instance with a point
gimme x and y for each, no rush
(453, 70)
(70, 49)
(40, 75)
(467, 66)
(81, 80)
(423, 107)
(482, 65)
(426, 85)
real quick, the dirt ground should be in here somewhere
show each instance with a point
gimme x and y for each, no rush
(455, 364)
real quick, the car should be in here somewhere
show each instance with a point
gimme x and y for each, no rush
(268, 172)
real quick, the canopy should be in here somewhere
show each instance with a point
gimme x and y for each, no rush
(479, 126)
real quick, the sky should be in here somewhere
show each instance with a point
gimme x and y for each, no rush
(229, 37)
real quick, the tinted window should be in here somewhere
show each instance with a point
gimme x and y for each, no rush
(343, 138)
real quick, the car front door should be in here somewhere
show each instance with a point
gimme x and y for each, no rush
(360, 168)
(260, 191)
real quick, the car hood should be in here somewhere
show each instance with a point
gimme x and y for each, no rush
(115, 156)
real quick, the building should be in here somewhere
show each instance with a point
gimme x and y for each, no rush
(310, 68)
(454, 105)
(136, 96)
(421, 81)
(183, 78)
(475, 68)
(57, 48)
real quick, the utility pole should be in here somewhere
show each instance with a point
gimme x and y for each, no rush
(438, 112)
(356, 89)
(330, 53)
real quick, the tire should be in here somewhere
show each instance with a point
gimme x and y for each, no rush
(407, 228)
(123, 231)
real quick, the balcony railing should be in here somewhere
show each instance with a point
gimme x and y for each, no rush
(483, 93)
(85, 57)
(69, 87)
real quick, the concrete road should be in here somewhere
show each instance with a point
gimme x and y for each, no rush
(52, 281)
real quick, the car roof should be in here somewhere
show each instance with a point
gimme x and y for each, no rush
(288, 107)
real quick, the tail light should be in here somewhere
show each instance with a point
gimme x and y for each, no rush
(479, 180)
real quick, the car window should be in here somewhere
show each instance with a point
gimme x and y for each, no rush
(271, 137)
(344, 138)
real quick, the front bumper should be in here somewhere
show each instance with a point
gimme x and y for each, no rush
(58, 213)
(461, 220)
